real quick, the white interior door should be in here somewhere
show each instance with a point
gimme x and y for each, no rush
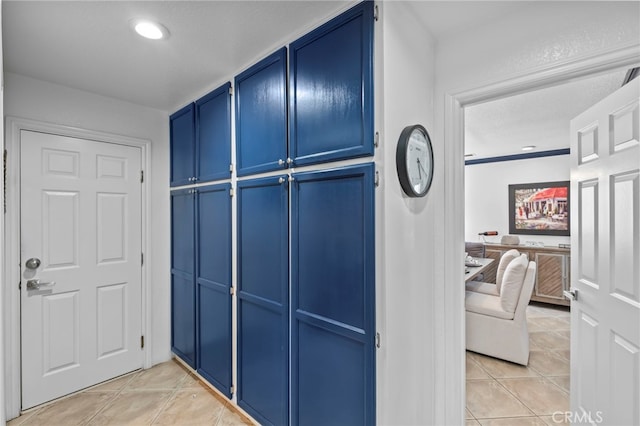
(605, 239)
(81, 290)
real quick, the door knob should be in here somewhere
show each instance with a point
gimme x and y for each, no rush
(37, 285)
(32, 263)
(570, 294)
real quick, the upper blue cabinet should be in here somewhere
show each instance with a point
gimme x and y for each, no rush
(183, 138)
(213, 135)
(261, 116)
(331, 89)
(201, 139)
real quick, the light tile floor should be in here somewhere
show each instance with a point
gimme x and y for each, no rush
(503, 393)
(166, 394)
(498, 392)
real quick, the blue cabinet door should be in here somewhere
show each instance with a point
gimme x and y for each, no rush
(213, 135)
(261, 116)
(183, 313)
(331, 84)
(333, 297)
(182, 134)
(263, 299)
(213, 281)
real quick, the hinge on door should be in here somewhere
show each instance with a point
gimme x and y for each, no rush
(231, 168)
(141, 176)
(231, 90)
(378, 340)
(232, 390)
(376, 140)
(375, 13)
(19, 285)
(141, 342)
(232, 291)
(231, 192)
(141, 258)
(377, 179)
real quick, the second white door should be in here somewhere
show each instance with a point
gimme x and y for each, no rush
(605, 272)
(80, 263)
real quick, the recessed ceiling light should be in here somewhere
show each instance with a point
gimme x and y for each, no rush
(529, 148)
(149, 29)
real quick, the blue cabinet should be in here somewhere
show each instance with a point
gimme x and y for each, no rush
(201, 281)
(213, 284)
(305, 311)
(213, 135)
(183, 312)
(333, 297)
(261, 116)
(201, 139)
(182, 133)
(331, 84)
(263, 299)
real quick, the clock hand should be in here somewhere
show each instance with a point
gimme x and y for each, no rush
(419, 167)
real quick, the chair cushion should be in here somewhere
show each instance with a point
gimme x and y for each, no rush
(480, 287)
(485, 304)
(502, 266)
(512, 282)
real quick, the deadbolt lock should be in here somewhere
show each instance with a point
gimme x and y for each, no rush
(32, 263)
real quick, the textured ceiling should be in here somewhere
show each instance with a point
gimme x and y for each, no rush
(539, 118)
(89, 45)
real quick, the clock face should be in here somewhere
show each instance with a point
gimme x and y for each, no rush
(418, 161)
(414, 161)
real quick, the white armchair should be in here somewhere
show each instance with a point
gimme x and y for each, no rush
(496, 325)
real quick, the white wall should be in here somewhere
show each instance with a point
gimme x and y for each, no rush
(42, 101)
(2, 300)
(545, 33)
(405, 226)
(486, 194)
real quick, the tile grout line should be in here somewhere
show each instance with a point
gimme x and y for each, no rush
(113, 397)
(169, 398)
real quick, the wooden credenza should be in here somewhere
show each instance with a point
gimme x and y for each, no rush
(552, 275)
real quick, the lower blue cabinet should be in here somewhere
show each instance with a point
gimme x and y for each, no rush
(183, 317)
(213, 284)
(333, 297)
(201, 281)
(263, 299)
(305, 293)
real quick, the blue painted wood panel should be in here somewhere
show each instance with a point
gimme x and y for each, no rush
(213, 266)
(213, 135)
(331, 84)
(182, 134)
(261, 115)
(263, 299)
(333, 297)
(183, 313)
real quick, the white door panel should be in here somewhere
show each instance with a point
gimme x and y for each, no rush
(81, 216)
(605, 237)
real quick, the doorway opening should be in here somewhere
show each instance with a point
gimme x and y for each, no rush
(497, 132)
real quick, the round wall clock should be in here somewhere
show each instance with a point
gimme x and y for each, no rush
(414, 161)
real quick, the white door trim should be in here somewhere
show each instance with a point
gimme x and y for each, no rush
(10, 293)
(450, 383)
